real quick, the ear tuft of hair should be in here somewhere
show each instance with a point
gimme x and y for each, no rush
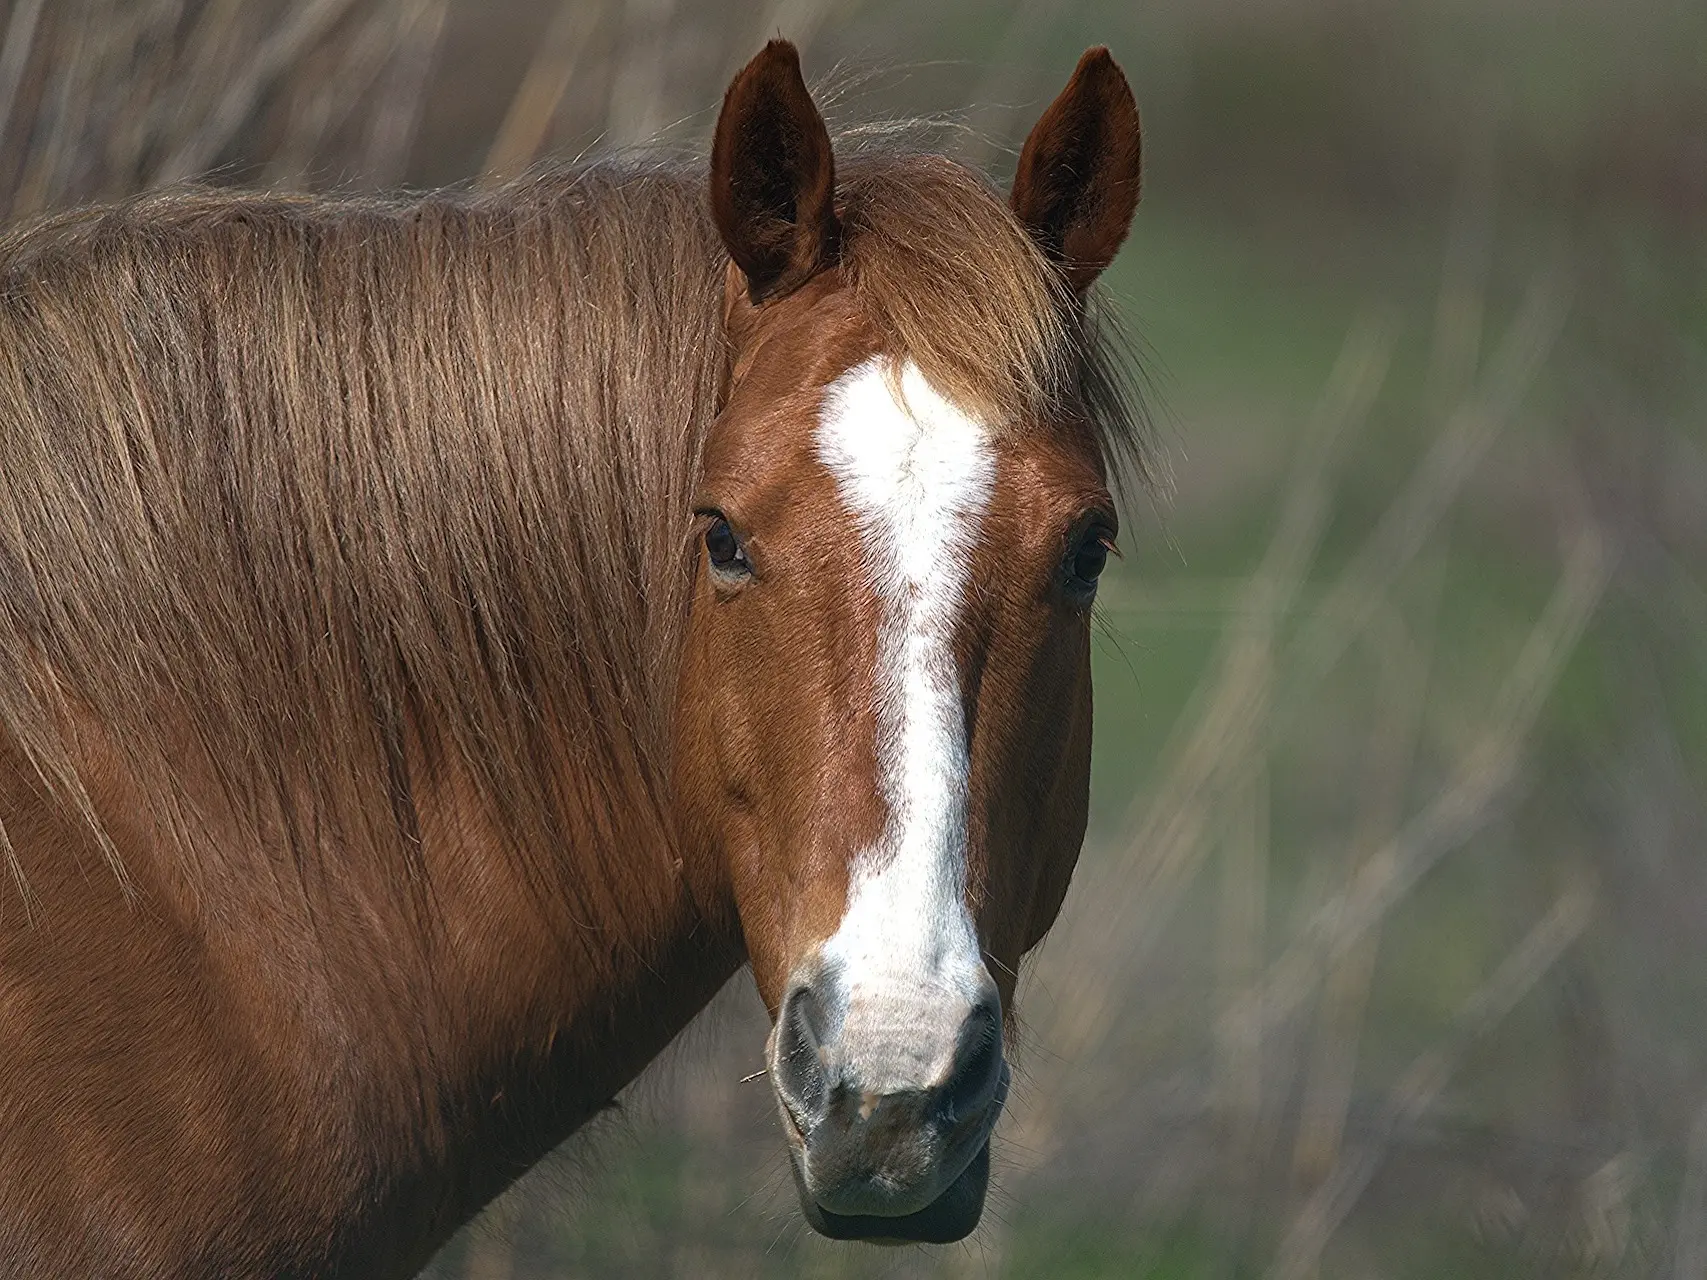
(1076, 187)
(773, 176)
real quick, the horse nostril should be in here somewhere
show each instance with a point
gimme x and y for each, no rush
(799, 1055)
(975, 1079)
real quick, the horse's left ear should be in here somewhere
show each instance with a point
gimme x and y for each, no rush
(773, 176)
(1077, 183)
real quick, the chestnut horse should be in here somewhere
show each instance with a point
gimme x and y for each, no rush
(443, 639)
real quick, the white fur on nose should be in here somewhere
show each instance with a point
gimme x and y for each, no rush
(916, 472)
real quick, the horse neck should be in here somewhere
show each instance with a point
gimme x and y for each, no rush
(532, 945)
(501, 1014)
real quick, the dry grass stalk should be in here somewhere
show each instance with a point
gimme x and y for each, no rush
(527, 123)
(1460, 808)
(397, 108)
(1689, 1258)
(302, 26)
(1461, 307)
(324, 103)
(15, 48)
(1332, 1068)
(1454, 351)
(105, 98)
(49, 164)
(150, 82)
(1405, 663)
(1239, 954)
(1426, 1078)
(639, 100)
(1227, 714)
(1359, 590)
(1431, 489)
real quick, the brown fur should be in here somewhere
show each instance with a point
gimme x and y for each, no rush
(345, 567)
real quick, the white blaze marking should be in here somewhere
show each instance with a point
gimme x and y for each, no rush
(916, 473)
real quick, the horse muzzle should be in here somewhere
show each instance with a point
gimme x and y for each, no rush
(888, 1104)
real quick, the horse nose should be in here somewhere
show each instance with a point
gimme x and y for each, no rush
(888, 1112)
(800, 1071)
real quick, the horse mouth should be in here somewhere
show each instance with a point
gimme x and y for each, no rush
(882, 1148)
(950, 1217)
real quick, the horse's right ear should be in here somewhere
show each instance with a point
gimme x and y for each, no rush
(773, 177)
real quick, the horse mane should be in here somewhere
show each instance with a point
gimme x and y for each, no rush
(317, 492)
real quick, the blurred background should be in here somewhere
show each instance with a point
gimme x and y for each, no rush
(1387, 955)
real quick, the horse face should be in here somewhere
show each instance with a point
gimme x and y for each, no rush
(884, 713)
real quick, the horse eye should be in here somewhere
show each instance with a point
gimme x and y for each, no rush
(724, 547)
(1087, 562)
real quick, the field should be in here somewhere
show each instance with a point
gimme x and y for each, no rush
(1384, 955)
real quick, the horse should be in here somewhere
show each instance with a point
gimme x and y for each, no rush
(444, 638)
